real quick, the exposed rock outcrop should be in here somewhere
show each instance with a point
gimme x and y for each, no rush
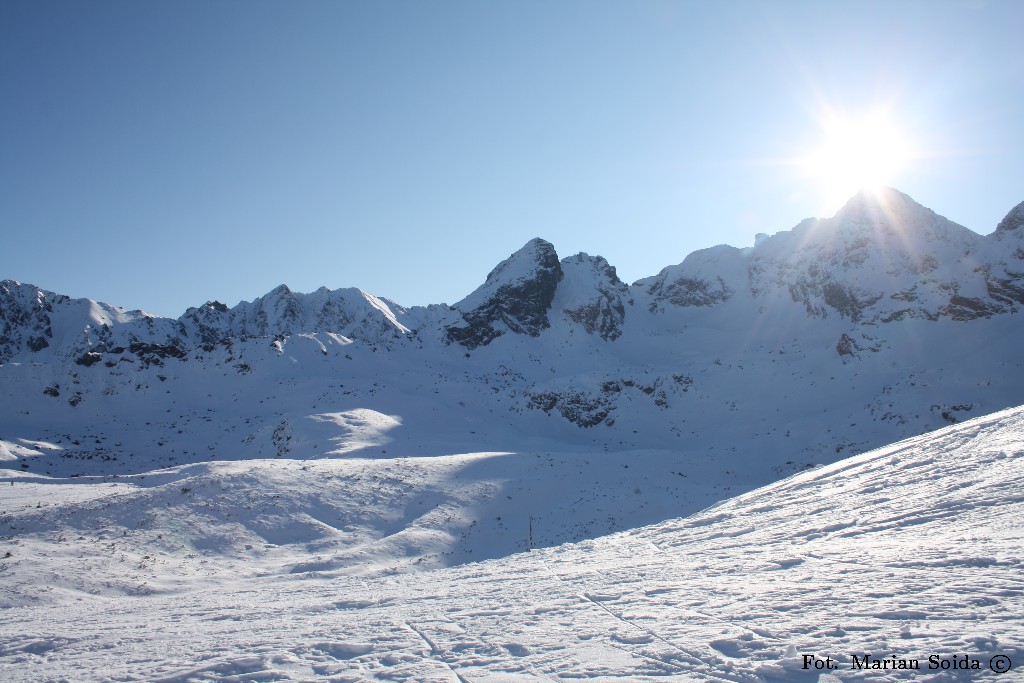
(592, 296)
(707, 277)
(516, 297)
(1013, 220)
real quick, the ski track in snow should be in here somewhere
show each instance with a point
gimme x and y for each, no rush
(912, 550)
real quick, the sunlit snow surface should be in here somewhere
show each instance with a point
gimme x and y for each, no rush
(914, 549)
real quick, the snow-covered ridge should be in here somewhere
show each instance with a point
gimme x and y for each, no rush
(1013, 220)
(914, 318)
(884, 321)
(881, 258)
(350, 312)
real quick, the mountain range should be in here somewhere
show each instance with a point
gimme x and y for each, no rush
(836, 336)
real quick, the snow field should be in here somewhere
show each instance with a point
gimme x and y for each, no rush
(912, 550)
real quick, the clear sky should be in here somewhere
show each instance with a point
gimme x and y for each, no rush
(156, 155)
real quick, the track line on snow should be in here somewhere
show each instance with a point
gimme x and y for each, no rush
(698, 663)
(908, 569)
(437, 652)
(690, 657)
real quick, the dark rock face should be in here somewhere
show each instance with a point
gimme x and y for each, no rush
(157, 350)
(603, 317)
(154, 354)
(288, 311)
(687, 291)
(211, 321)
(516, 296)
(587, 404)
(478, 330)
(708, 277)
(25, 318)
(846, 300)
(1006, 290)
(949, 412)
(963, 308)
(847, 346)
(332, 317)
(601, 309)
(1004, 274)
(579, 408)
(37, 344)
(89, 358)
(819, 294)
(1013, 220)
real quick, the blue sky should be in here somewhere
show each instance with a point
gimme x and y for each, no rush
(156, 155)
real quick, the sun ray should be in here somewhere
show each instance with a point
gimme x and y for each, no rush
(856, 154)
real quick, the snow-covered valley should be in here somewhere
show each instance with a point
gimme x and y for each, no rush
(909, 552)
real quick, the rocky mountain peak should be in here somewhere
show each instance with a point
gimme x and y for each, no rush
(24, 318)
(350, 312)
(592, 296)
(536, 255)
(885, 217)
(515, 297)
(882, 257)
(1013, 220)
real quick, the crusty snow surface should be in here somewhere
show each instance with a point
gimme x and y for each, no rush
(913, 549)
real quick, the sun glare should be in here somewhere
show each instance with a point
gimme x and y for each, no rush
(856, 154)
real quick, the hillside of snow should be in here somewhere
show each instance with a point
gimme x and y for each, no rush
(906, 553)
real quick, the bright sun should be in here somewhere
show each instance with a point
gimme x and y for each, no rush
(856, 154)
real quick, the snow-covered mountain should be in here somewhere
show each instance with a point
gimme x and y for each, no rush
(271, 476)
(883, 321)
(282, 312)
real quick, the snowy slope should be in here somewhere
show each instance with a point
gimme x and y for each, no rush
(909, 551)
